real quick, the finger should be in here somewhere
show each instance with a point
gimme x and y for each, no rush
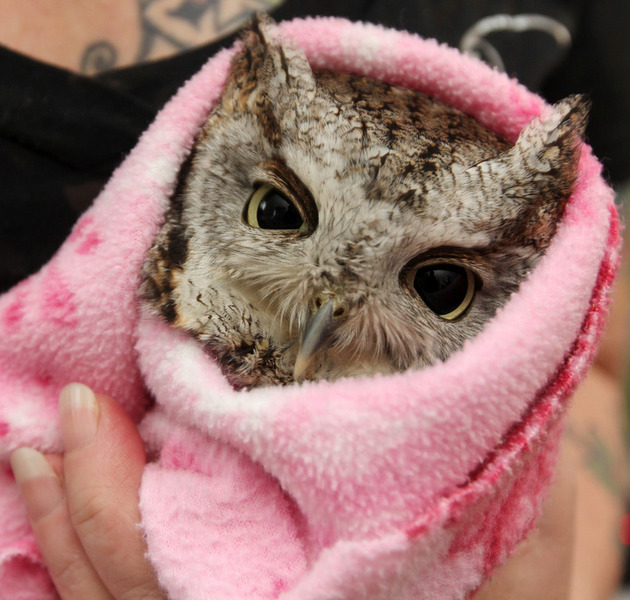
(56, 463)
(103, 467)
(63, 554)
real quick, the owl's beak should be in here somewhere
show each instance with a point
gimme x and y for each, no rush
(316, 337)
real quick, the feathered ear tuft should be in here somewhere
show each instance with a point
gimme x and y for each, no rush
(264, 67)
(546, 155)
(536, 177)
(550, 145)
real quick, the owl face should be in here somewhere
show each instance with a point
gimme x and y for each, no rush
(330, 225)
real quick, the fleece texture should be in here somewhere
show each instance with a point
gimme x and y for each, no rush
(410, 486)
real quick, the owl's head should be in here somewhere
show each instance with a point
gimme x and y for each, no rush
(350, 225)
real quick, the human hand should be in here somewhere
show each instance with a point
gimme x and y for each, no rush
(83, 506)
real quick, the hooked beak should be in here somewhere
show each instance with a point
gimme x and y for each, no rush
(316, 337)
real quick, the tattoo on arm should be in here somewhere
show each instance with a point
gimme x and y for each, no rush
(599, 458)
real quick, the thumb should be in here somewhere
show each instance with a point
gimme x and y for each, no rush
(103, 466)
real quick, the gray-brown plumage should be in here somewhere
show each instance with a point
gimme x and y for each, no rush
(327, 224)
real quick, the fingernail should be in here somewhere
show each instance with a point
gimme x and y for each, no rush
(27, 464)
(78, 411)
(38, 482)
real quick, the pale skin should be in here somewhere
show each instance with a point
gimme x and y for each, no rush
(105, 34)
(83, 504)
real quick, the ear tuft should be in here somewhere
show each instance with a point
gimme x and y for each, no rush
(573, 113)
(264, 27)
(546, 155)
(552, 143)
(261, 33)
(536, 177)
(266, 69)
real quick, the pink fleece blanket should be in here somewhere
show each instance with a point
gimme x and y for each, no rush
(410, 486)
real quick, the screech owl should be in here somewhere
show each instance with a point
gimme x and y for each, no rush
(327, 224)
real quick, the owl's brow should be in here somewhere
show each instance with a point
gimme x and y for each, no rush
(473, 257)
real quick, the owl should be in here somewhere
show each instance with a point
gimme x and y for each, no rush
(327, 224)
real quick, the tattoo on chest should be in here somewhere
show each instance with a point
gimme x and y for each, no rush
(170, 26)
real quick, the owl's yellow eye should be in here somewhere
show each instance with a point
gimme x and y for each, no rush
(448, 290)
(268, 208)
